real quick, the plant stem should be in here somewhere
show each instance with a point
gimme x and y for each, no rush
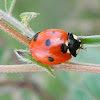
(81, 67)
(17, 24)
(90, 40)
(78, 67)
(12, 32)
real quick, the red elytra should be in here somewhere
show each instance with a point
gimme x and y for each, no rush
(46, 47)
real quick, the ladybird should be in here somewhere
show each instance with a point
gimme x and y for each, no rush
(54, 46)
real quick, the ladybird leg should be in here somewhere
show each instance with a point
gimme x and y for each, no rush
(82, 48)
(64, 48)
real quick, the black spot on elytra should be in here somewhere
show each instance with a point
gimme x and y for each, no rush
(50, 59)
(64, 48)
(36, 37)
(53, 32)
(48, 42)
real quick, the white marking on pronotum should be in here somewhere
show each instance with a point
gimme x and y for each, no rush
(77, 51)
(68, 51)
(67, 45)
(75, 37)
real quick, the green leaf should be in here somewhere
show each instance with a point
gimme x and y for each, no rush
(91, 40)
(27, 16)
(9, 5)
(25, 56)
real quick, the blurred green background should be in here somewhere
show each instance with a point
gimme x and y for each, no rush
(81, 17)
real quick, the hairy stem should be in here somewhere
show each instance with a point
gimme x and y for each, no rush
(79, 67)
(12, 32)
(17, 24)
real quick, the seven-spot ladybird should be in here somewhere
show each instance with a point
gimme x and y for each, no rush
(54, 46)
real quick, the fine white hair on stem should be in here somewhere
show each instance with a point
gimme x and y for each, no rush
(87, 45)
(84, 37)
(20, 57)
(71, 66)
(17, 24)
(78, 67)
(11, 6)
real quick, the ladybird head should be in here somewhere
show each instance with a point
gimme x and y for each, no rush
(74, 44)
